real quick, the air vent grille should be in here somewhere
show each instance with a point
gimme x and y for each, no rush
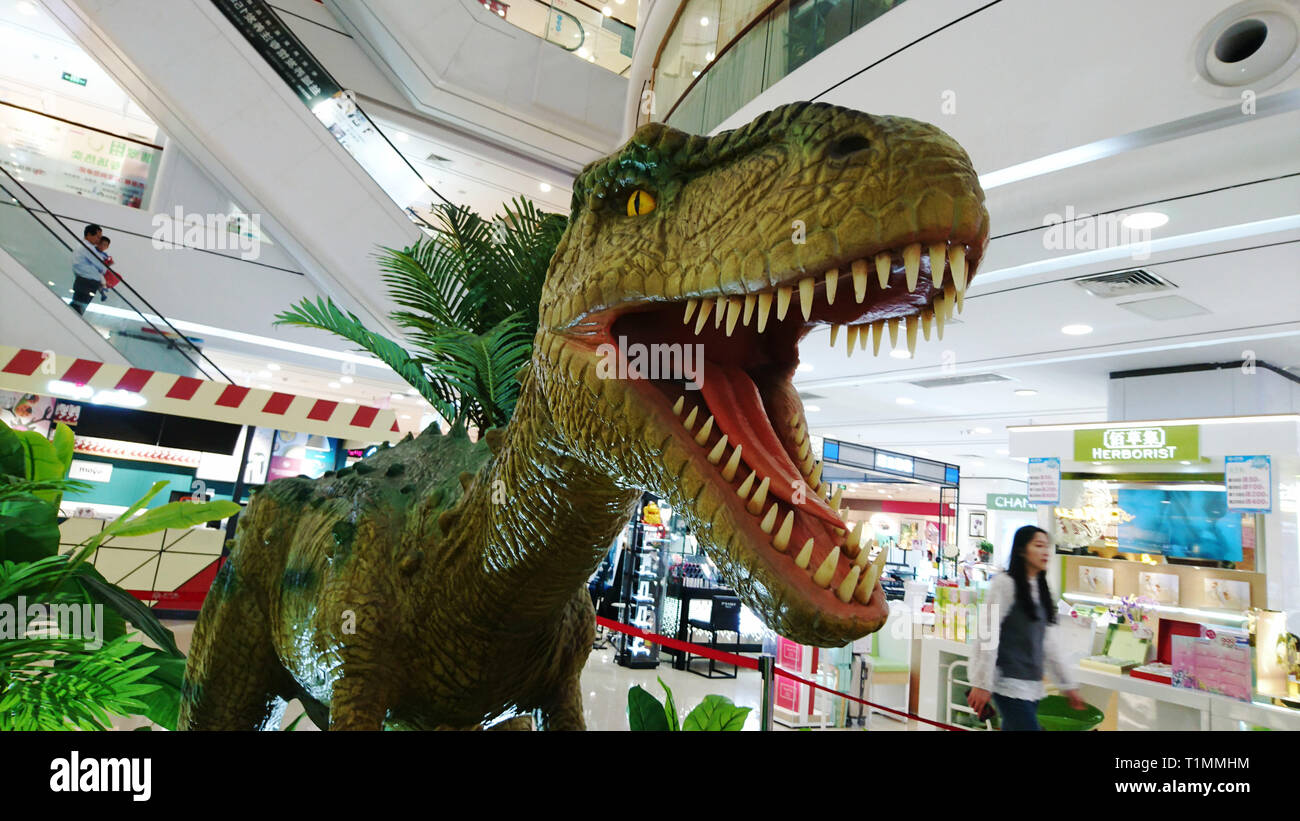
(952, 381)
(1125, 283)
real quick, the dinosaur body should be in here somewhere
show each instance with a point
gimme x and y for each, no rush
(441, 583)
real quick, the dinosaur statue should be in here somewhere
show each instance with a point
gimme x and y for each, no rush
(441, 583)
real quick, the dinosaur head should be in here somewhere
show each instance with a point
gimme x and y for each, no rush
(675, 304)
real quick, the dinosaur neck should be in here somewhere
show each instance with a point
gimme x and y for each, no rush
(539, 520)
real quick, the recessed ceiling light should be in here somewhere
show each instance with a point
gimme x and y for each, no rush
(406, 416)
(346, 380)
(271, 366)
(811, 409)
(582, 52)
(607, 11)
(263, 374)
(399, 396)
(26, 8)
(983, 430)
(400, 136)
(350, 401)
(335, 385)
(264, 387)
(805, 367)
(412, 392)
(1076, 330)
(900, 353)
(1026, 392)
(704, 21)
(905, 400)
(1144, 220)
(708, 58)
(545, 187)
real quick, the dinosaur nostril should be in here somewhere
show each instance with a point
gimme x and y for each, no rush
(842, 148)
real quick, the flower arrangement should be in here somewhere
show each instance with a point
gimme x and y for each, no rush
(1136, 612)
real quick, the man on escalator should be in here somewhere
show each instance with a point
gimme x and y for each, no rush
(87, 269)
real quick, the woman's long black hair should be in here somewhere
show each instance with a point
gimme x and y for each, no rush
(1020, 574)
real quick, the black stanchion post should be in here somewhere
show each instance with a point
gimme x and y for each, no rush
(766, 665)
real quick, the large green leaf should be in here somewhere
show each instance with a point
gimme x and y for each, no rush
(644, 712)
(128, 607)
(88, 548)
(13, 455)
(177, 515)
(716, 713)
(162, 706)
(29, 528)
(670, 707)
(41, 463)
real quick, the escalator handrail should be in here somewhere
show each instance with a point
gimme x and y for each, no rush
(172, 340)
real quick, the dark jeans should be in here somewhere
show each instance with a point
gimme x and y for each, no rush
(83, 291)
(1017, 713)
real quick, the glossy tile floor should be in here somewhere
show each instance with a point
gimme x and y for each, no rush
(604, 691)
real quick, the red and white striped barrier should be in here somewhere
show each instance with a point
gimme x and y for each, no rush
(47, 374)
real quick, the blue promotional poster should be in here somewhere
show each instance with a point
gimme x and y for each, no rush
(1182, 523)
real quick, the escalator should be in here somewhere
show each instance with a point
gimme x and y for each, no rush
(44, 246)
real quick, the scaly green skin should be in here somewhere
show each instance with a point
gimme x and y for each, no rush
(441, 583)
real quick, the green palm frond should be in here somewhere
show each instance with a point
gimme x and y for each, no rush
(326, 316)
(89, 686)
(481, 367)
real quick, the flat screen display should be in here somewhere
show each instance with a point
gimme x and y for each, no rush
(1193, 524)
(164, 430)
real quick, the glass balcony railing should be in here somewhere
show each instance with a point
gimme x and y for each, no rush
(45, 247)
(584, 29)
(721, 54)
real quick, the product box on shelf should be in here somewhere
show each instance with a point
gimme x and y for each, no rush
(1221, 661)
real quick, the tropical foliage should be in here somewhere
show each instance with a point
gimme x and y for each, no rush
(469, 297)
(51, 680)
(645, 713)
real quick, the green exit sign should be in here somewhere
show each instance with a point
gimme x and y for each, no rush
(72, 78)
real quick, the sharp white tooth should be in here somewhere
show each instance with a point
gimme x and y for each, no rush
(949, 300)
(794, 418)
(750, 299)
(782, 538)
(850, 583)
(855, 536)
(705, 306)
(938, 257)
(835, 331)
(691, 305)
(807, 464)
(805, 555)
(783, 295)
(939, 313)
(961, 295)
(853, 338)
(957, 258)
(859, 269)
(823, 489)
(678, 405)
(729, 469)
(715, 455)
(882, 269)
(869, 579)
(764, 305)
(806, 296)
(769, 521)
(733, 314)
(864, 333)
(705, 430)
(893, 333)
(913, 322)
(927, 320)
(877, 331)
(832, 282)
(746, 486)
(719, 311)
(864, 555)
(689, 422)
(838, 499)
(816, 477)
(755, 505)
(804, 448)
(912, 264)
(822, 578)
(798, 434)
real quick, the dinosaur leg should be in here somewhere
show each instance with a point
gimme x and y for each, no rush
(233, 678)
(563, 710)
(360, 701)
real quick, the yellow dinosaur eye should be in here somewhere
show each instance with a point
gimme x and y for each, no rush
(640, 202)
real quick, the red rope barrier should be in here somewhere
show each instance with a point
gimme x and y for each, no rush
(752, 664)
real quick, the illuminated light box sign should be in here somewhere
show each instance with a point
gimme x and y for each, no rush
(1138, 443)
(1249, 483)
(1009, 501)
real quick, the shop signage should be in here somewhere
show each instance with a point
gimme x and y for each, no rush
(1250, 483)
(896, 464)
(90, 471)
(1138, 443)
(1009, 501)
(1044, 480)
(75, 80)
(271, 38)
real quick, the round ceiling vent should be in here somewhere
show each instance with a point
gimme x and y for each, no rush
(1251, 46)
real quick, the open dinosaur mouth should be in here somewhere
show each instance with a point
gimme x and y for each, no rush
(740, 416)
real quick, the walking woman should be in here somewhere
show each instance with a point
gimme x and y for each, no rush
(1008, 665)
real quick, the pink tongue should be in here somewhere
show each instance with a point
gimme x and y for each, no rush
(737, 408)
